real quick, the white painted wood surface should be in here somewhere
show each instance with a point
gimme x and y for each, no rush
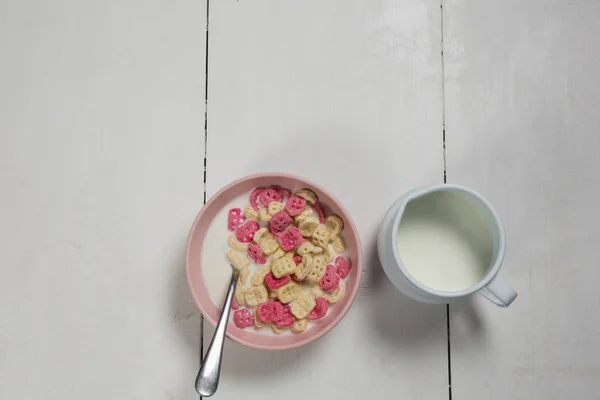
(522, 101)
(360, 79)
(101, 163)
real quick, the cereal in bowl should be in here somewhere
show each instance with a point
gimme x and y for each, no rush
(293, 259)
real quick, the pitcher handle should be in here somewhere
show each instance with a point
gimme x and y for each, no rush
(498, 292)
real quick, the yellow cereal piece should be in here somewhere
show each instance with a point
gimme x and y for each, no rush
(288, 292)
(250, 213)
(339, 245)
(304, 268)
(308, 226)
(289, 254)
(263, 214)
(278, 254)
(236, 244)
(307, 248)
(275, 328)
(274, 207)
(243, 276)
(320, 236)
(308, 195)
(299, 326)
(256, 295)
(239, 296)
(283, 266)
(259, 234)
(329, 254)
(238, 260)
(336, 295)
(259, 276)
(257, 322)
(268, 244)
(308, 212)
(334, 225)
(318, 269)
(303, 305)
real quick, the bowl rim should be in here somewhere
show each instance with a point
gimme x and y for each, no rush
(349, 222)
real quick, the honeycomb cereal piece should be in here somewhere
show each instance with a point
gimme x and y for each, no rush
(308, 248)
(256, 295)
(318, 269)
(263, 215)
(259, 276)
(288, 292)
(329, 254)
(259, 234)
(307, 213)
(275, 328)
(283, 266)
(295, 206)
(239, 296)
(320, 212)
(330, 280)
(320, 309)
(270, 311)
(245, 233)
(255, 252)
(269, 244)
(278, 254)
(254, 197)
(290, 254)
(236, 244)
(334, 225)
(257, 322)
(303, 305)
(308, 226)
(307, 195)
(290, 239)
(287, 319)
(243, 318)
(250, 213)
(279, 222)
(336, 295)
(237, 259)
(269, 195)
(274, 207)
(283, 191)
(299, 326)
(320, 236)
(274, 283)
(243, 276)
(339, 245)
(235, 218)
(305, 267)
(343, 266)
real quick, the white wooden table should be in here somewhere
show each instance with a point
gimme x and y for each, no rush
(105, 159)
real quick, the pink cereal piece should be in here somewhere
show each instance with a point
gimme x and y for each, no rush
(290, 239)
(254, 197)
(283, 191)
(279, 221)
(245, 233)
(270, 311)
(319, 209)
(295, 205)
(235, 218)
(274, 283)
(297, 259)
(269, 195)
(330, 280)
(320, 309)
(343, 266)
(243, 318)
(287, 318)
(234, 305)
(255, 252)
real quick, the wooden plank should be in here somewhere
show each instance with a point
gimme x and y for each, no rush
(348, 94)
(521, 119)
(101, 164)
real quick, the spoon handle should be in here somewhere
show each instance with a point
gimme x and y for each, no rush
(207, 380)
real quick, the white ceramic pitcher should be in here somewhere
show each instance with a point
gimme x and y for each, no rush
(470, 208)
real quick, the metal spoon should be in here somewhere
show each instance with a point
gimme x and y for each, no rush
(207, 380)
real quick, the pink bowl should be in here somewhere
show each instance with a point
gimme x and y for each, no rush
(211, 311)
